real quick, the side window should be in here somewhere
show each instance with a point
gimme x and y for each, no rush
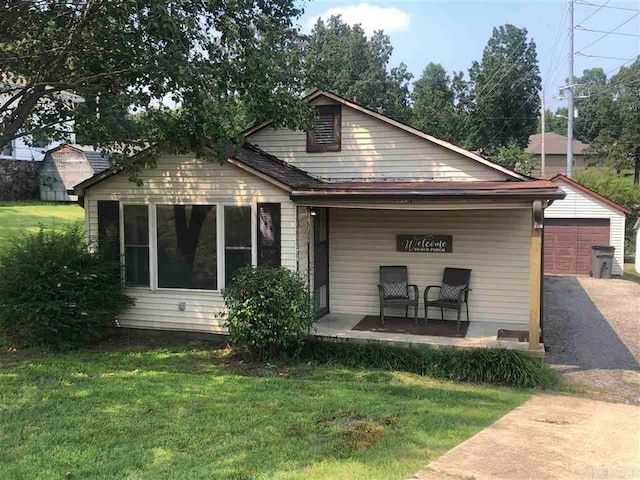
(325, 132)
(136, 245)
(237, 239)
(109, 226)
(269, 236)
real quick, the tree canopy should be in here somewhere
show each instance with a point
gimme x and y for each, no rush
(340, 58)
(150, 71)
(435, 110)
(504, 91)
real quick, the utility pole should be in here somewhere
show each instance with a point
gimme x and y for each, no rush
(570, 89)
(542, 164)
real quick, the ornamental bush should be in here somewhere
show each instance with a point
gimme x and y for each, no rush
(483, 365)
(269, 312)
(55, 293)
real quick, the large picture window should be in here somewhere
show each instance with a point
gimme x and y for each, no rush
(237, 239)
(136, 245)
(187, 246)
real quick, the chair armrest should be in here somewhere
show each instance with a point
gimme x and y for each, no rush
(426, 291)
(416, 291)
(381, 291)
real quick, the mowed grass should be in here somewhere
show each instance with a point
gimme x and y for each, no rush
(21, 217)
(630, 273)
(195, 412)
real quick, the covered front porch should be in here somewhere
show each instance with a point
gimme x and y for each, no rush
(340, 327)
(343, 243)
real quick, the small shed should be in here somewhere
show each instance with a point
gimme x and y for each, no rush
(66, 166)
(573, 225)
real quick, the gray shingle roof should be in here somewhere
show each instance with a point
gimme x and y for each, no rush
(96, 159)
(272, 166)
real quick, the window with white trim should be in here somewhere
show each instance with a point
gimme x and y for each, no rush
(237, 239)
(136, 245)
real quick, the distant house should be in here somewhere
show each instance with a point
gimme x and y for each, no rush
(555, 147)
(64, 167)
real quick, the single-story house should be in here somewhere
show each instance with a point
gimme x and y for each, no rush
(555, 148)
(65, 166)
(573, 225)
(335, 204)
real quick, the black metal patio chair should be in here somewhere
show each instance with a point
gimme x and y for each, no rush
(454, 292)
(394, 291)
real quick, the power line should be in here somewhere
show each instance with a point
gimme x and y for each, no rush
(589, 4)
(553, 60)
(582, 29)
(515, 50)
(619, 67)
(594, 12)
(609, 32)
(603, 56)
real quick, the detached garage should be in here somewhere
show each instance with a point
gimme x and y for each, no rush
(584, 218)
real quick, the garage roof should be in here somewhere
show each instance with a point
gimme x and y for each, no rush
(588, 191)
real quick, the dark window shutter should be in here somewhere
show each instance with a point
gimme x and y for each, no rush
(325, 132)
(109, 226)
(269, 235)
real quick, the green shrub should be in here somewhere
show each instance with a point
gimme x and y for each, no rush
(269, 312)
(485, 365)
(55, 293)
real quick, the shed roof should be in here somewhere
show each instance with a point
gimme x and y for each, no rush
(554, 144)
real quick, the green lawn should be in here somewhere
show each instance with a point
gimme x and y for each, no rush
(630, 273)
(195, 412)
(19, 217)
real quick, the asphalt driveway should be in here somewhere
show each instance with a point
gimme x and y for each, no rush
(592, 334)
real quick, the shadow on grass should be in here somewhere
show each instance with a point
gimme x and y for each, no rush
(200, 412)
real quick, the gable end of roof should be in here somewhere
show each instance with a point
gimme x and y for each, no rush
(588, 191)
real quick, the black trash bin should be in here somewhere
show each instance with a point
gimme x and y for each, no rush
(601, 260)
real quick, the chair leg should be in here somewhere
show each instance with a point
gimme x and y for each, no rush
(415, 313)
(442, 313)
(426, 314)
(467, 305)
(382, 315)
(458, 324)
(406, 311)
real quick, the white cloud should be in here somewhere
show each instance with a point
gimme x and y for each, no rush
(371, 17)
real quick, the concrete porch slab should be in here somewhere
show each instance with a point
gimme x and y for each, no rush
(339, 327)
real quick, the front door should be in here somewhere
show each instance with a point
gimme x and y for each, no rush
(321, 261)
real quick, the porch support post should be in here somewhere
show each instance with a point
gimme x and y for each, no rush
(535, 256)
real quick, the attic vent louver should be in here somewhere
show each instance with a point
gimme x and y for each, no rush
(325, 129)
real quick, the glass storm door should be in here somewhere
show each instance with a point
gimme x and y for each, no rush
(321, 261)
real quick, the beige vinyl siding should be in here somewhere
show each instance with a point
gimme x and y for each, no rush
(183, 179)
(493, 243)
(578, 204)
(373, 149)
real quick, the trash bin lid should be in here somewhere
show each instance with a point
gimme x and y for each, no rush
(603, 248)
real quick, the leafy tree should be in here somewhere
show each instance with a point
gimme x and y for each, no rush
(595, 105)
(504, 91)
(555, 122)
(515, 157)
(434, 110)
(339, 57)
(618, 189)
(185, 69)
(619, 139)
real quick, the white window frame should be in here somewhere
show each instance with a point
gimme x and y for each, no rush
(150, 213)
(12, 155)
(220, 241)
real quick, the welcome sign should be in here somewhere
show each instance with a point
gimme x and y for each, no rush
(425, 243)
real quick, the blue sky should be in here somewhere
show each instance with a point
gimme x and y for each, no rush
(454, 33)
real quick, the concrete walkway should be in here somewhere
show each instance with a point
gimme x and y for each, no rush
(549, 437)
